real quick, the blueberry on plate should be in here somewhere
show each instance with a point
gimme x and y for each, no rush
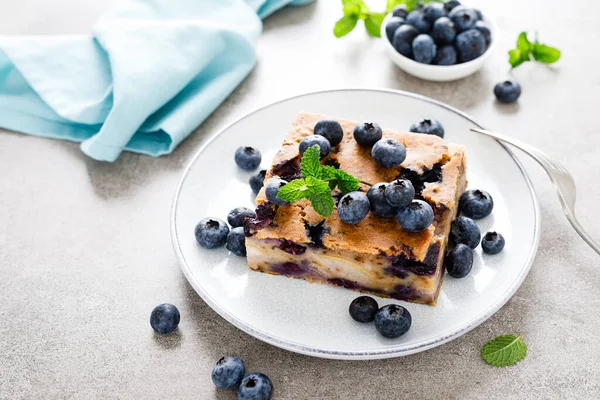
(392, 321)
(247, 158)
(403, 38)
(415, 217)
(446, 55)
(492, 243)
(164, 318)
(459, 261)
(470, 44)
(363, 309)
(399, 193)
(464, 230)
(424, 49)
(228, 372)
(485, 31)
(433, 11)
(255, 386)
(388, 152)
(451, 4)
(443, 31)
(236, 241)
(428, 126)
(353, 207)
(390, 28)
(464, 18)
(211, 232)
(330, 129)
(309, 141)
(379, 205)
(476, 204)
(367, 133)
(417, 19)
(400, 11)
(273, 186)
(257, 181)
(237, 216)
(507, 91)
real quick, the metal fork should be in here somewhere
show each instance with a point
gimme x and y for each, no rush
(561, 179)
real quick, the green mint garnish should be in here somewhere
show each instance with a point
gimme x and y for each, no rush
(504, 350)
(526, 50)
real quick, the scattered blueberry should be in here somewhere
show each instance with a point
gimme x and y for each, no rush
(392, 321)
(476, 204)
(459, 261)
(236, 241)
(367, 133)
(479, 14)
(257, 181)
(400, 11)
(330, 129)
(379, 205)
(434, 11)
(393, 24)
(424, 49)
(417, 19)
(211, 233)
(388, 152)
(312, 140)
(429, 126)
(228, 372)
(470, 44)
(492, 243)
(463, 18)
(255, 386)
(443, 31)
(363, 309)
(272, 189)
(446, 55)
(399, 193)
(507, 91)
(164, 318)
(353, 207)
(415, 217)
(451, 4)
(403, 38)
(464, 230)
(247, 158)
(237, 216)
(485, 31)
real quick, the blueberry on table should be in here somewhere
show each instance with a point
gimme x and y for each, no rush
(424, 49)
(415, 217)
(211, 232)
(428, 126)
(363, 309)
(228, 372)
(459, 261)
(492, 243)
(464, 18)
(388, 152)
(367, 133)
(237, 216)
(257, 181)
(272, 189)
(434, 11)
(309, 141)
(507, 91)
(255, 386)
(464, 230)
(470, 45)
(476, 204)
(485, 31)
(443, 31)
(379, 205)
(451, 4)
(399, 193)
(392, 321)
(446, 55)
(330, 129)
(417, 19)
(247, 158)
(400, 11)
(353, 207)
(164, 318)
(403, 38)
(236, 241)
(393, 24)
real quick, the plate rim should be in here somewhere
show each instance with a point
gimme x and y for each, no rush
(398, 351)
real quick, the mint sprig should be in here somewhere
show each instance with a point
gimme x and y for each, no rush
(526, 51)
(504, 350)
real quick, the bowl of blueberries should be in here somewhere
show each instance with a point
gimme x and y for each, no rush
(438, 41)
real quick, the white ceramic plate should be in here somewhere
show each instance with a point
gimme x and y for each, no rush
(313, 318)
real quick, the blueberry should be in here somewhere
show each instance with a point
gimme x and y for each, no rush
(330, 129)
(400, 11)
(211, 233)
(367, 133)
(363, 309)
(257, 181)
(237, 216)
(247, 158)
(393, 24)
(353, 207)
(464, 230)
(476, 204)
(392, 321)
(492, 243)
(459, 261)
(479, 14)
(507, 91)
(388, 152)
(446, 55)
(379, 205)
(318, 140)
(417, 19)
(415, 217)
(485, 31)
(444, 31)
(403, 38)
(424, 49)
(272, 189)
(451, 4)
(399, 193)
(236, 241)
(463, 18)
(429, 126)
(470, 44)
(255, 386)
(228, 372)
(434, 11)
(164, 318)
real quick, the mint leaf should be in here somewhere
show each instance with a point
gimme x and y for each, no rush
(523, 44)
(410, 4)
(322, 202)
(355, 7)
(544, 54)
(525, 50)
(311, 162)
(345, 25)
(294, 191)
(373, 24)
(504, 350)
(516, 58)
(346, 182)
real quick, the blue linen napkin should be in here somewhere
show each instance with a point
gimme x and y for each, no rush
(152, 71)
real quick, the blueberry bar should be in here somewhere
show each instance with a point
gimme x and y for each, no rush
(376, 255)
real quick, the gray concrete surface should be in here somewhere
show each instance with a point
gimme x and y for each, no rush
(85, 251)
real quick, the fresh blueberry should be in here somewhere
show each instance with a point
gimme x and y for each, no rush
(433, 11)
(236, 241)
(272, 189)
(470, 44)
(400, 11)
(363, 309)
(479, 14)
(424, 49)
(464, 18)
(507, 91)
(399, 193)
(476, 204)
(367, 133)
(492, 243)
(393, 24)
(379, 205)
(164, 318)
(428, 126)
(451, 4)
(417, 19)
(330, 129)
(415, 217)
(388, 152)
(443, 31)
(464, 230)
(353, 207)
(403, 38)
(485, 31)
(257, 181)
(318, 140)
(211, 233)
(228, 372)
(255, 386)
(237, 216)
(459, 261)
(392, 321)
(446, 55)
(247, 158)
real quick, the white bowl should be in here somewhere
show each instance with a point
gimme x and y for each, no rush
(438, 73)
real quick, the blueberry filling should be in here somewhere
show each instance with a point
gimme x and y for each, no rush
(290, 268)
(315, 233)
(291, 247)
(288, 170)
(404, 293)
(399, 264)
(433, 174)
(265, 213)
(344, 283)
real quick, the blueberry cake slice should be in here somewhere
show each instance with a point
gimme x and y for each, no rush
(376, 255)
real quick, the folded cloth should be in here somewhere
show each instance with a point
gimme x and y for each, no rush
(152, 71)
